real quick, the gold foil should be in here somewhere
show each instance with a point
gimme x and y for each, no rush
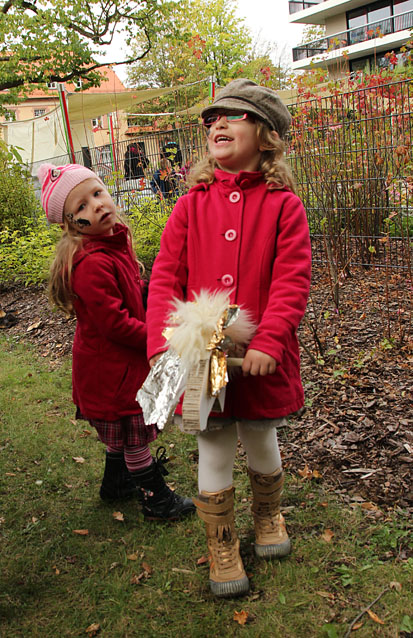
(218, 377)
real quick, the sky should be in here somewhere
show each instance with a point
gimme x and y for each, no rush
(269, 19)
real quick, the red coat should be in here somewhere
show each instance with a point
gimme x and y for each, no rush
(238, 236)
(109, 348)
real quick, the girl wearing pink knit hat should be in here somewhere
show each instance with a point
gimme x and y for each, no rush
(96, 276)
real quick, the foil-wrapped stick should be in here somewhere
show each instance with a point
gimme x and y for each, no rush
(162, 389)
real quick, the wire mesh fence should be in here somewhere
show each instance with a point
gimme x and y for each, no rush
(351, 154)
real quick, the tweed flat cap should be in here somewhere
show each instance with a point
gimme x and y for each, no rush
(246, 95)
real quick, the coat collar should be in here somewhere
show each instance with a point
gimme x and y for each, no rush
(243, 179)
(94, 243)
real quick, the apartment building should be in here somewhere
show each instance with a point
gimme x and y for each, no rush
(364, 31)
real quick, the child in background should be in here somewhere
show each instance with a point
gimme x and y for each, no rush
(241, 229)
(95, 275)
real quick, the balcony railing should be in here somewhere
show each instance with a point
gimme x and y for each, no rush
(393, 24)
(298, 5)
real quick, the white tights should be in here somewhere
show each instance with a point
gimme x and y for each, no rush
(217, 451)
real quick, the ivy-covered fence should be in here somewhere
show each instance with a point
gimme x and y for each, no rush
(351, 153)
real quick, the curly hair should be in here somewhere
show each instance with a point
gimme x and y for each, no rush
(60, 289)
(277, 173)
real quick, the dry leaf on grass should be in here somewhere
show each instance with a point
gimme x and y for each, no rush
(327, 535)
(132, 557)
(81, 532)
(308, 474)
(147, 571)
(202, 560)
(326, 594)
(118, 516)
(395, 585)
(78, 459)
(240, 617)
(358, 625)
(375, 617)
(92, 629)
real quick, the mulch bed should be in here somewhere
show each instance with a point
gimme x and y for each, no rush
(356, 433)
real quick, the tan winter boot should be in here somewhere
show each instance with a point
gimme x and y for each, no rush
(227, 577)
(271, 538)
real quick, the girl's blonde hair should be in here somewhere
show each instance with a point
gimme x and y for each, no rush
(277, 173)
(60, 289)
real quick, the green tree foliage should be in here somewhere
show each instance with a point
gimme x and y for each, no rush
(313, 32)
(57, 41)
(202, 39)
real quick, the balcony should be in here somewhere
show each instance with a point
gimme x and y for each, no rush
(394, 24)
(297, 5)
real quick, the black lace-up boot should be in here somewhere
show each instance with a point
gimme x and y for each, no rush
(158, 501)
(117, 483)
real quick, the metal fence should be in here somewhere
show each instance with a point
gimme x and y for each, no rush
(351, 154)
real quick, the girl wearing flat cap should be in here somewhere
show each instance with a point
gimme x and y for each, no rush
(241, 229)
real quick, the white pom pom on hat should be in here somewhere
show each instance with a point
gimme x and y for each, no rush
(56, 183)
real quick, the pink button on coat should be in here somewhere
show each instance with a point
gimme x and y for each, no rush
(270, 262)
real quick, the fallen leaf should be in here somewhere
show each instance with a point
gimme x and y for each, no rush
(327, 535)
(306, 473)
(369, 506)
(113, 565)
(92, 629)
(395, 585)
(56, 570)
(78, 459)
(33, 326)
(81, 532)
(357, 626)
(325, 594)
(202, 560)
(374, 617)
(240, 617)
(147, 567)
(118, 516)
(132, 557)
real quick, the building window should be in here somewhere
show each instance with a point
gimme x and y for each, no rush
(379, 61)
(52, 85)
(10, 116)
(39, 112)
(79, 83)
(378, 15)
(97, 122)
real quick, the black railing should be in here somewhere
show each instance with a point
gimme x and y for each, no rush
(297, 5)
(364, 33)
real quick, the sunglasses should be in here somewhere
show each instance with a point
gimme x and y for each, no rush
(209, 120)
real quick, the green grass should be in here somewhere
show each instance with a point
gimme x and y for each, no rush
(56, 583)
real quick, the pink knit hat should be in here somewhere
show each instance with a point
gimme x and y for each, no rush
(56, 183)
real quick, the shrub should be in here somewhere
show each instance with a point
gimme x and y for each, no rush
(26, 254)
(18, 201)
(147, 221)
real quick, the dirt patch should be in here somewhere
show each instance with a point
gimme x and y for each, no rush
(356, 433)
